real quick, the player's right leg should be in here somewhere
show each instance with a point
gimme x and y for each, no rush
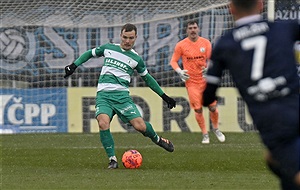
(107, 140)
(103, 114)
(194, 94)
(201, 122)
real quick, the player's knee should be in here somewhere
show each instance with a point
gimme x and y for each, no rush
(198, 110)
(103, 123)
(138, 124)
(140, 129)
(212, 108)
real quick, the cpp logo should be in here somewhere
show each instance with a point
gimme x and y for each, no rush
(14, 112)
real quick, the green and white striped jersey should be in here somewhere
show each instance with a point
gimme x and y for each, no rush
(118, 67)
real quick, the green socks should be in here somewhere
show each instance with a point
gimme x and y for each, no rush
(108, 142)
(151, 133)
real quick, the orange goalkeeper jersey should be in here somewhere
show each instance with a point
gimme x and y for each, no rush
(194, 56)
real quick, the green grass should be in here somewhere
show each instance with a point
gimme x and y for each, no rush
(78, 161)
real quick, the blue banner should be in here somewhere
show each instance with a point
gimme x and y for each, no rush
(32, 51)
(33, 110)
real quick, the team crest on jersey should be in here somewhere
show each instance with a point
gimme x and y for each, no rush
(202, 49)
(129, 61)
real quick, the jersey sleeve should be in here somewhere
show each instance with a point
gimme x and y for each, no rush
(141, 68)
(152, 83)
(175, 57)
(216, 66)
(99, 51)
(209, 50)
(83, 58)
(95, 52)
(149, 80)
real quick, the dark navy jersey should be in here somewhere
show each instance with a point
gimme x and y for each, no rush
(260, 57)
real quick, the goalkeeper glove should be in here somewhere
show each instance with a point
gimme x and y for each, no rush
(183, 74)
(170, 101)
(69, 70)
(204, 71)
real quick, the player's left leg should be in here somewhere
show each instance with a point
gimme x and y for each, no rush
(147, 130)
(214, 117)
(214, 114)
(132, 115)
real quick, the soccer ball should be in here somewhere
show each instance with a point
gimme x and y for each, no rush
(132, 159)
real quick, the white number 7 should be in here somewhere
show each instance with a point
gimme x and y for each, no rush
(258, 43)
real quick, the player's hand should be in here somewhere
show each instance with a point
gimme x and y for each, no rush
(204, 71)
(69, 70)
(170, 101)
(183, 75)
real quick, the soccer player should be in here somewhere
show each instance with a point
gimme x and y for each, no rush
(194, 52)
(113, 94)
(260, 56)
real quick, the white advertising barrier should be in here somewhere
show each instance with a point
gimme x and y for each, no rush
(233, 113)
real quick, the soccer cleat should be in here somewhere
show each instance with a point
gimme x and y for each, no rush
(113, 164)
(205, 139)
(166, 144)
(219, 135)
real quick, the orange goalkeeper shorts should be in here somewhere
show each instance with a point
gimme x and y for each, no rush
(195, 93)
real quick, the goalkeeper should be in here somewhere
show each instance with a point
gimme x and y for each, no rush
(194, 52)
(120, 61)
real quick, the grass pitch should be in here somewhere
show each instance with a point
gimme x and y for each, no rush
(78, 161)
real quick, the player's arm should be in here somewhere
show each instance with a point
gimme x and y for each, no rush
(209, 94)
(213, 78)
(152, 83)
(174, 63)
(209, 50)
(208, 55)
(96, 52)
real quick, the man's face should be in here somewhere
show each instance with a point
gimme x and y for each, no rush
(127, 39)
(192, 31)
